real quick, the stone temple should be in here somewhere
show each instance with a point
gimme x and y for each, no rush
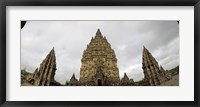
(44, 76)
(99, 68)
(154, 74)
(99, 63)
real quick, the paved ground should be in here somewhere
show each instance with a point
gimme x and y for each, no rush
(26, 84)
(173, 82)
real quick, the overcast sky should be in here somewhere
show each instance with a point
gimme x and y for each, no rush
(70, 38)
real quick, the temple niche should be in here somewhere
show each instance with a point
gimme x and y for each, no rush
(154, 74)
(99, 63)
(44, 75)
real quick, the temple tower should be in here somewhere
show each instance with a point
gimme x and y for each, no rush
(151, 68)
(99, 63)
(73, 81)
(125, 80)
(154, 74)
(44, 75)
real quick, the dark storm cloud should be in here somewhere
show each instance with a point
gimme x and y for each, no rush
(127, 38)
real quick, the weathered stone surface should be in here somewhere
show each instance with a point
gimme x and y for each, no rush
(174, 81)
(125, 81)
(73, 81)
(99, 68)
(44, 75)
(154, 75)
(99, 63)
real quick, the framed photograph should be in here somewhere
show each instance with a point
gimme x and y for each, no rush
(99, 53)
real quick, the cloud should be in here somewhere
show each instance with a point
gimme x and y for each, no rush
(70, 38)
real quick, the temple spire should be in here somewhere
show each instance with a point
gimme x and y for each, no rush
(73, 81)
(98, 30)
(73, 76)
(125, 76)
(44, 75)
(145, 49)
(126, 81)
(98, 33)
(151, 68)
(99, 54)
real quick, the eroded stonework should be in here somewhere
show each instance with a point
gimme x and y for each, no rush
(99, 68)
(44, 76)
(125, 81)
(73, 81)
(99, 63)
(154, 75)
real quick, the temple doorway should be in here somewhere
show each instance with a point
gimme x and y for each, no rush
(99, 82)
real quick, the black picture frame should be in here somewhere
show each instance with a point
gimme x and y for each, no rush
(5, 3)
